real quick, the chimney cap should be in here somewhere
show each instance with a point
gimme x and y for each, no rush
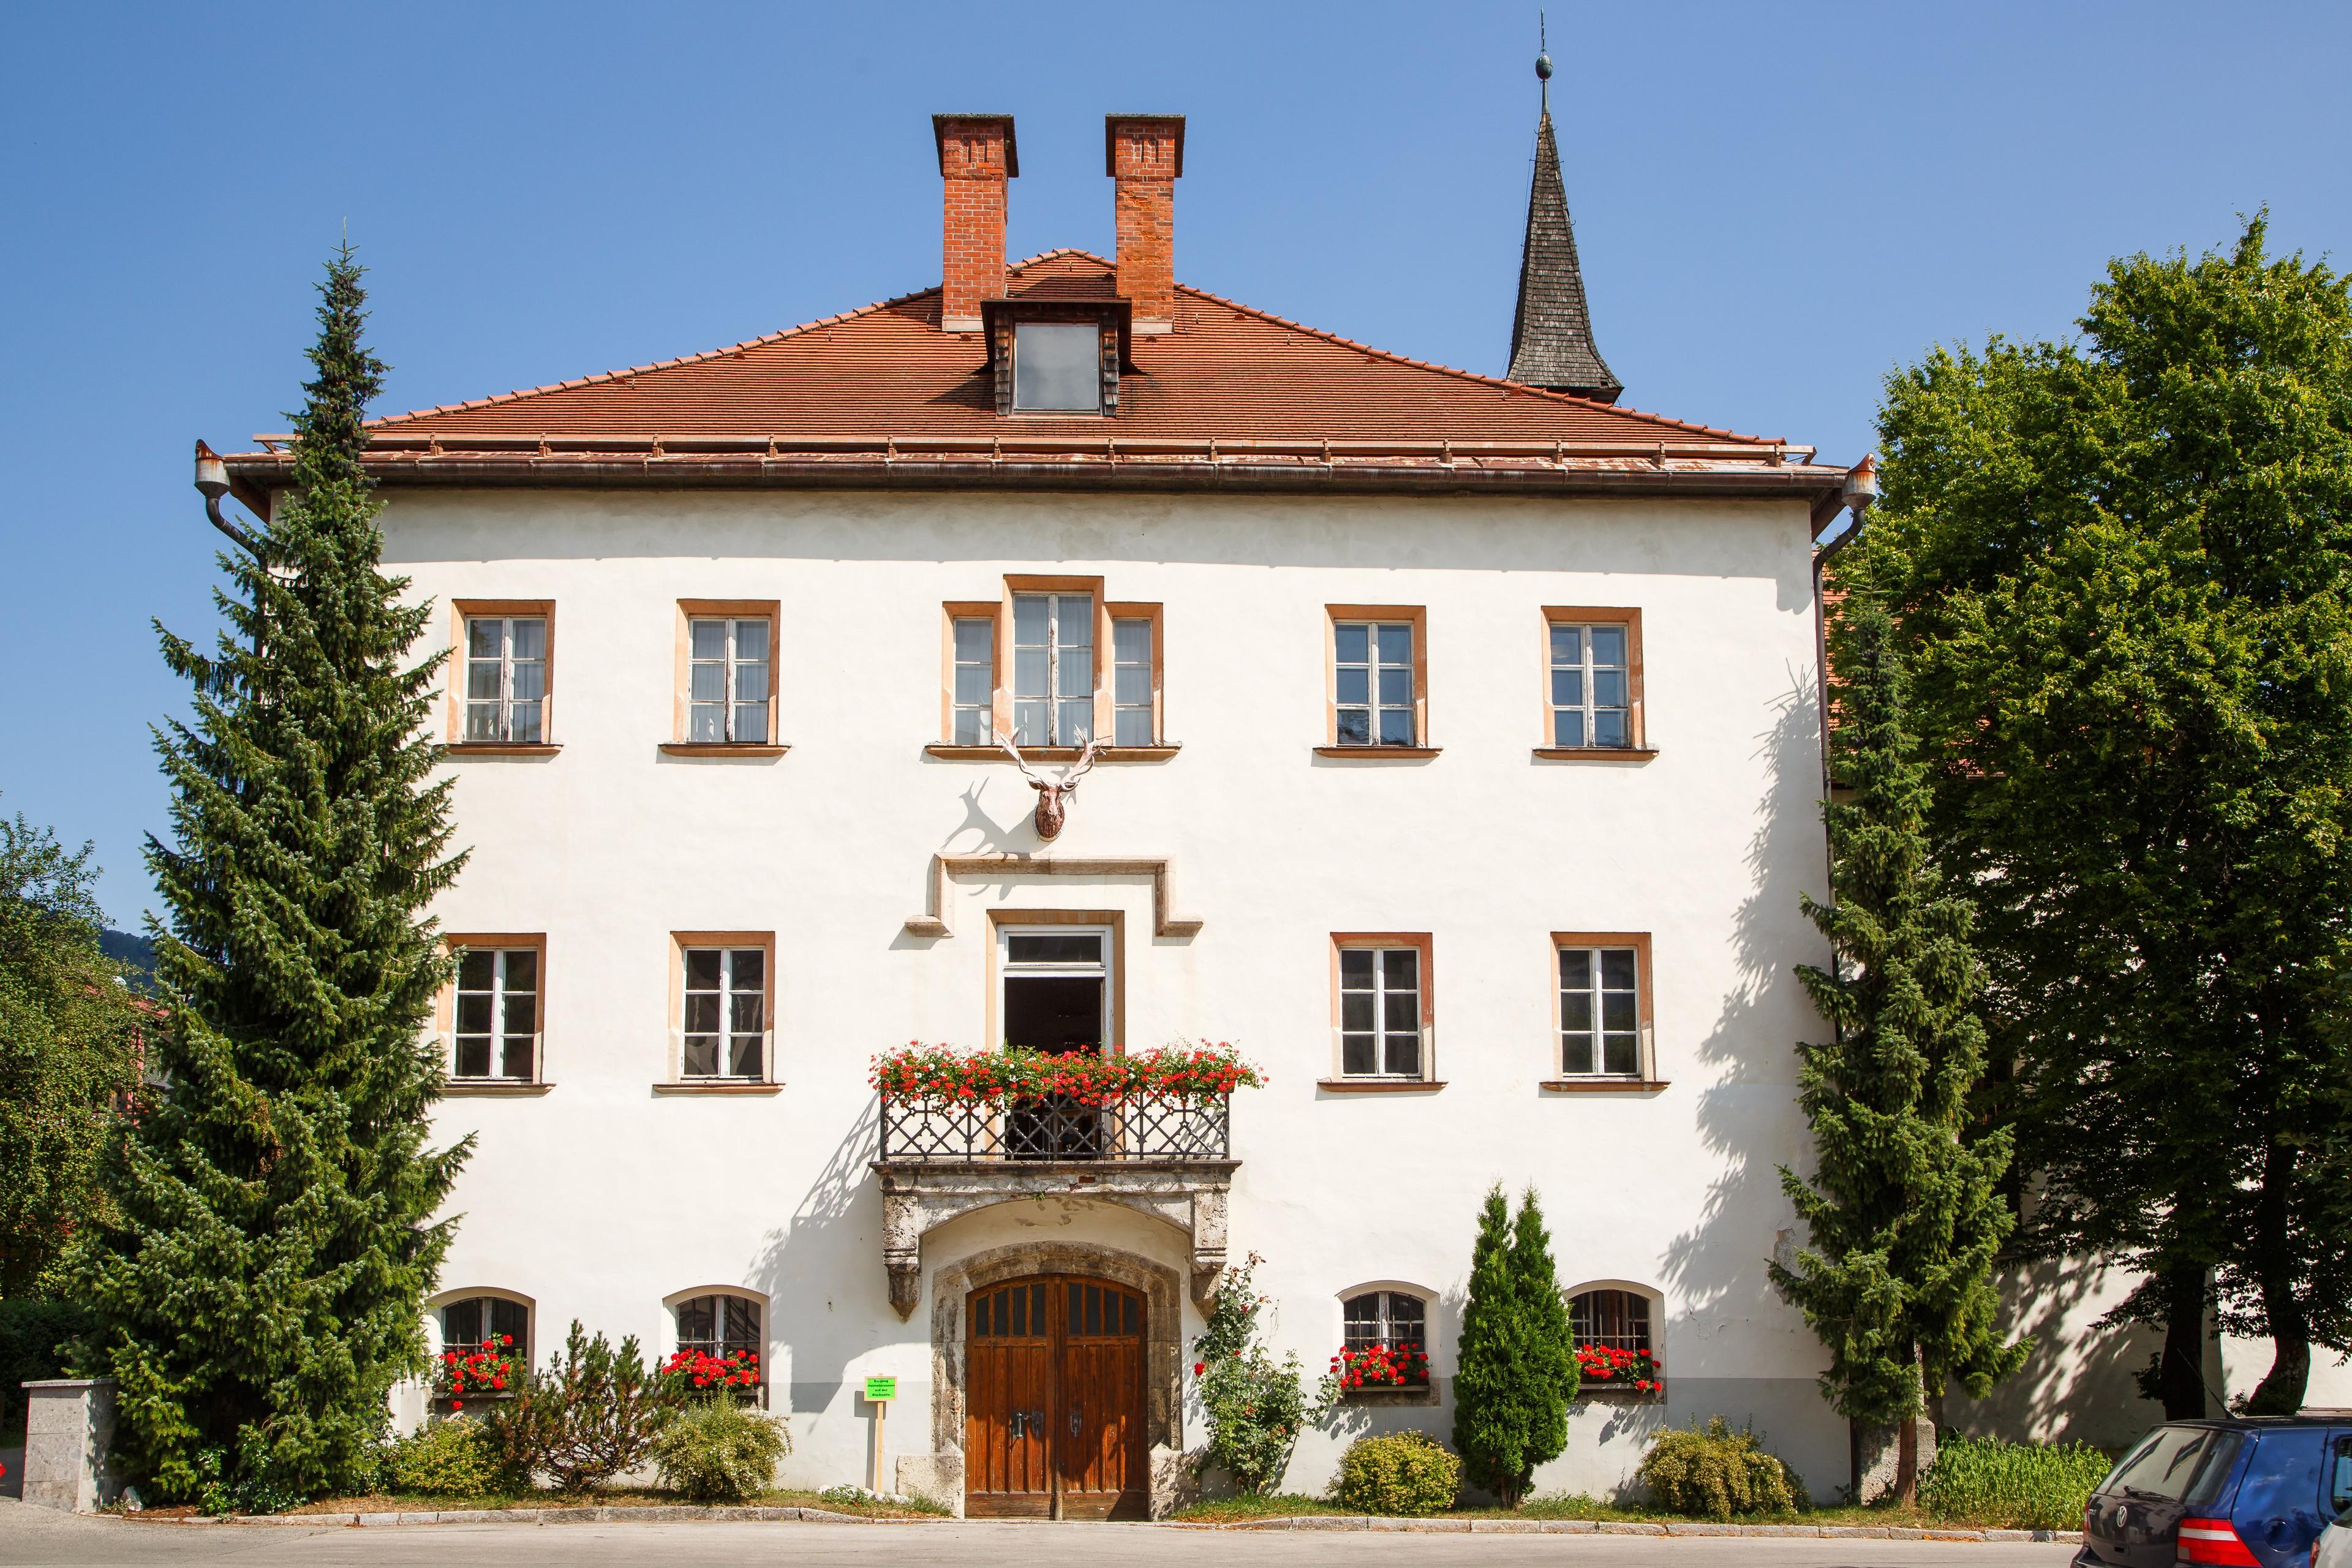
(940, 123)
(1111, 122)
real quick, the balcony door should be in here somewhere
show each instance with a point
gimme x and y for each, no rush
(1053, 1401)
(1056, 998)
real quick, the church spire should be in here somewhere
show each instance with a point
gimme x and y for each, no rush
(1551, 335)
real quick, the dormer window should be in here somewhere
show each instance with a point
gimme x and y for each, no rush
(1057, 367)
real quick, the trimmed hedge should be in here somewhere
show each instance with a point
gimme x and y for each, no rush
(1405, 1474)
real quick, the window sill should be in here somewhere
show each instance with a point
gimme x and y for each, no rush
(716, 1085)
(1413, 752)
(1051, 753)
(501, 748)
(1614, 1393)
(491, 1088)
(1422, 1394)
(1380, 1085)
(1596, 754)
(1604, 1085)
(720, 749)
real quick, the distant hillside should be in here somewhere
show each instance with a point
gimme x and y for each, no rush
(132, 952)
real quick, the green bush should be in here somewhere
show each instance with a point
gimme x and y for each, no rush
(1714, 1472)
(454, 1457)
(587, 1415)
(2011, 1486)
(1404, 1473)
(721, 1451)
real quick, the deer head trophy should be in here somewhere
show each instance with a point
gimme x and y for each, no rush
(1053, 798)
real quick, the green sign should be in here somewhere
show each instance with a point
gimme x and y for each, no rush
(881, 1390)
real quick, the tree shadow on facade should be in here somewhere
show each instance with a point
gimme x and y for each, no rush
(2078, 1385)
(835, 1235)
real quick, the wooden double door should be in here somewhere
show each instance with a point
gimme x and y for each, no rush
(1054, 1404)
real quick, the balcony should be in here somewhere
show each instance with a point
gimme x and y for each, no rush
(1167, 1155)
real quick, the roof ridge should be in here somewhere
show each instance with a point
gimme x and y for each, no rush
(1060, 250)
(634, 369)
(1472, 376)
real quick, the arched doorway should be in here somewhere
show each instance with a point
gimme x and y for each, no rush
(1053, 1400)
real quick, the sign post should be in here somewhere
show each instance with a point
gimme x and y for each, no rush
(879, 1393)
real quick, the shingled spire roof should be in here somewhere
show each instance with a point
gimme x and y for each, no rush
(1551, 335)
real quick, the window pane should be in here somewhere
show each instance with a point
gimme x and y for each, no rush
(1576, 1012)
(1078, 723)
(1356, 967)
(522, 969)
(1353, 642)
(1406, 1318)
(1609, 645)
(473, 1056)
(1057, 364)
(1567, 688)
(1356, 1054)
(1617, 968)
(1029, 723)
(1132, 727)
(972, 684)
(698, 1322)
(1131, 641)
(751, 643)
(485, 639)
(1568, 728)
(751, 723)
(1057, 947)
(474, 1014)
(971, 726)
(703, 969)
(701, 1055)
(1608, 729)
(1621, 1054)
(744, 1013)
(1073, 620)
(975, 640)
(1396, 644)
(522, 724)
(706, 722)
(1608, 687)
(749, 967)
(1396, 687)
(703, 1012)
(474, 968)
(515, 1058)
(1404, 1055)
(744, 1060)
(1567, 645)
(1355, 727)
(742, 1322)
(1576, 1056)
(706, 683)
(752, 681)
(1396, 726)
(708, 639)
(527, 682)
(1029, 620)
(1401, 967)
(1575, 968)
(521, 1014)
(1131, 684)
(461, 1323)
(527, 639)
(1029, 671)
(1355, 686)
(1617, 1010)
(482, 680)
(1355, 1009)
(1400, 1012)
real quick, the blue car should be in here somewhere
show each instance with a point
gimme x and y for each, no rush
(2243, 1491)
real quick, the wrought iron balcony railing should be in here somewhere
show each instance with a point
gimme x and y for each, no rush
(1136, 1127)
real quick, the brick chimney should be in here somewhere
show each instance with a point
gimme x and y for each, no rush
(1145, 153)
(977, 155)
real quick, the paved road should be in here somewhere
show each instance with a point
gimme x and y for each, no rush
(31, 1537)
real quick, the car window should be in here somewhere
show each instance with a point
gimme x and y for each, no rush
(2167, 1463)
(2339, 1477)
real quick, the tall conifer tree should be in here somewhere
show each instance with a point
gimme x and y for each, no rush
(1551, 1376)
(1904, 1213)
(1516, 1367)
(263, 1285)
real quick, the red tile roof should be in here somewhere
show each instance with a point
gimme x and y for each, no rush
(1226, 371)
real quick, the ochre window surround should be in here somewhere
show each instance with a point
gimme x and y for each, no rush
(1637, 710)
(677, 1082)
(998, 612)
(681, 741)
(1646, 1080)
(1339, 1081)
(464, 610)
(1417, 618)
(445, 1017)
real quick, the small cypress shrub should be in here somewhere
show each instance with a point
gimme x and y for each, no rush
(450, 1458)
(721, 1451)
(587, 1415)
(1406, 1474)
(1714, 1472)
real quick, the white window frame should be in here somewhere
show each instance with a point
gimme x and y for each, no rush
(1587, 670)
(505, 702)
(1380, 993)
(499, 993)
(726, 993)
(1008, 968)
(1057, 695)
(731, 664)
(1596, 1036)
(1121, 664)
(1374, 667)
(971, 723)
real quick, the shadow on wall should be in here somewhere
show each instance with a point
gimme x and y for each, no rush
(835, 1235)
(2077, 1386)
(1748, 1118)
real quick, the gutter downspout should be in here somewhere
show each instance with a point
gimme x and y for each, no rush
(1861, 489)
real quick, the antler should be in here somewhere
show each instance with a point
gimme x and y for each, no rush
(1019, 761)
(1085, 761)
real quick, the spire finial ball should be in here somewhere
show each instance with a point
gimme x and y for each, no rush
(1543, 68)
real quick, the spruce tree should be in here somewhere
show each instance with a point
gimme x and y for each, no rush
(262, 1285)
(1491, 1425)
(1905, 1212)
(1551, 1376)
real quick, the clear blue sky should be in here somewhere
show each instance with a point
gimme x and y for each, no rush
(1777, 204)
